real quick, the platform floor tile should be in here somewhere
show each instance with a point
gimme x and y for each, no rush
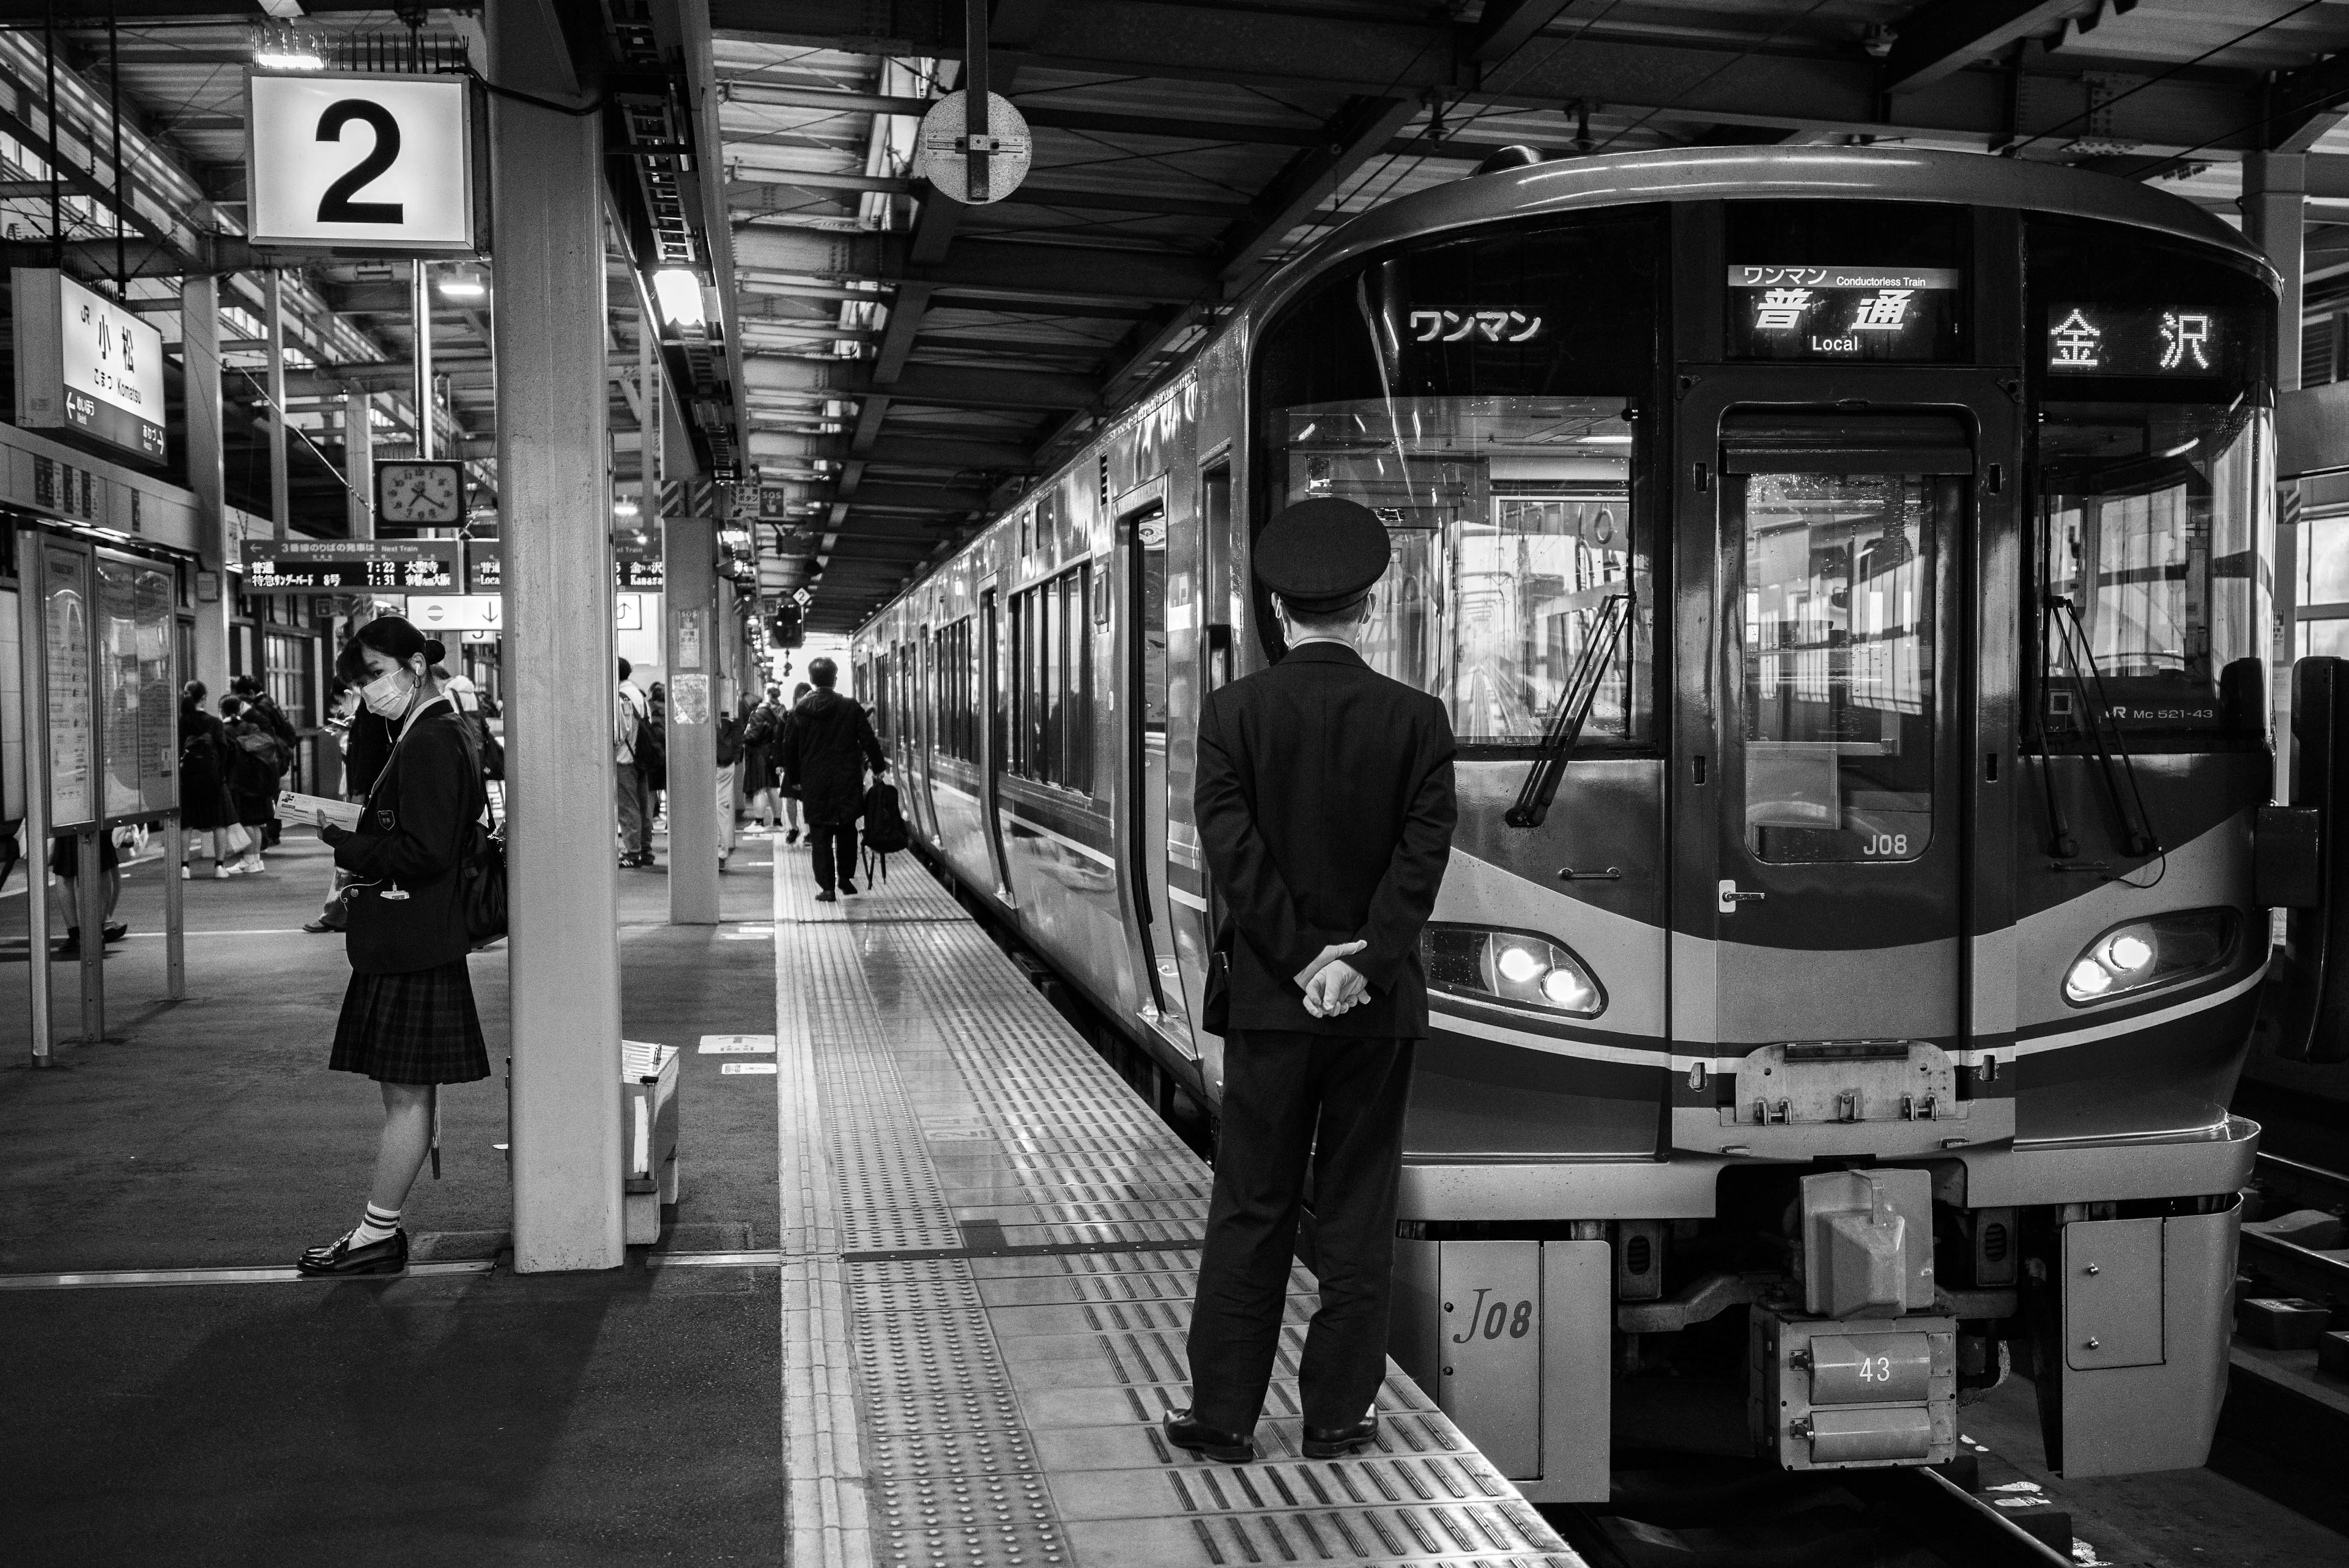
(991, 1249)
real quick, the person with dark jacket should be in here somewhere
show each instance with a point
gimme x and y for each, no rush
(262, 709)
(1324, 799)
(365, 740)
(253, 774)
(407, 1020)
(204, 805)
(826, 748)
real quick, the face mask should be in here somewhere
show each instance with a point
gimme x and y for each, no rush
(387, 695)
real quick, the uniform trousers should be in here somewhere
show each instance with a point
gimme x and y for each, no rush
(635, 807)
(1290, 1099)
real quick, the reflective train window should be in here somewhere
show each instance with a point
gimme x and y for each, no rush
(1483, 396)
(1835, 650)
(2153, 490)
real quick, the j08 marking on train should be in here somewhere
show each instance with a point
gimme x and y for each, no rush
(1488, 1322)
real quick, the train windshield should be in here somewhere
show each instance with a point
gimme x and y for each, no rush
(1511, 524)
(1482, 394)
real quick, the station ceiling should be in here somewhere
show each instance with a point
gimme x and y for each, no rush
(898, 362)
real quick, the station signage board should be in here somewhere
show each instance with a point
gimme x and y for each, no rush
(362, 164)
(635, 569)
(1867, 313)
(486, 562)
(328, 565)
(85, 363)
(484, 613)
(2180, 341)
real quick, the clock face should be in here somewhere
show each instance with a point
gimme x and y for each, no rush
(419, 494)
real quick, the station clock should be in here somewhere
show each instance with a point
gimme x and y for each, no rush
(413, 492)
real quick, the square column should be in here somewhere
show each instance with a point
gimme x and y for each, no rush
(555, 502)
(207, 476)
(698, 696)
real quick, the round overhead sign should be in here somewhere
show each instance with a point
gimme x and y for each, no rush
(946, 149)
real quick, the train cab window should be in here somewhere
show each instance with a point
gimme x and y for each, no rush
(2152, 486)
(1483, 396)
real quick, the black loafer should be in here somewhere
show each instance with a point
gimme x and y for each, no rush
(848, 888)
(388, 1256)
(319, 927)
(1331, 1442)
(1197, 1438)
(116, 931)
(827, 896)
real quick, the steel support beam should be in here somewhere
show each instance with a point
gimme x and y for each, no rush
(359, 460)
(272, 316)
(555, 502)
(207, 476)
(1507, 25)
(2275, 208)
(1948, 36)
(1351, 140)
(700, 824)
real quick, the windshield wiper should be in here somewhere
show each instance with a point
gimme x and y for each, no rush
(1572, 712)
(2137, 835)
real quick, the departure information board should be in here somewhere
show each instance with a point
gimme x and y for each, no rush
(2159, 341)
(1881, 313)
(303, 565)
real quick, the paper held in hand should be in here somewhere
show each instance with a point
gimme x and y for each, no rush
(299, 808)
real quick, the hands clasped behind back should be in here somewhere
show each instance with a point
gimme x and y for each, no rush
(1331, 985)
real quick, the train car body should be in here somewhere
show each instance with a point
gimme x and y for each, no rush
(1847, 572)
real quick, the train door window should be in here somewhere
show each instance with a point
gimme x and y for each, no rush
(1834, 645)
(1054, 684)
(998, 678)
(1150, 623)
(1077, 721)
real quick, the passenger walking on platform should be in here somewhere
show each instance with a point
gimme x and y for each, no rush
(204, 805)
(731, 720)
(826, 749)
(632, 748)
(263, 710)
(656, 771)
(762, 726)
(408, 1019)
(1324, 801)
(786, 792)
(253, 774)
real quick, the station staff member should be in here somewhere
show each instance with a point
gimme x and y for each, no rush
(1324, 798)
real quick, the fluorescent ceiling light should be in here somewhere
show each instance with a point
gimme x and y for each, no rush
(624, 508)
(283, 59)
(679, 294)
(463, 287)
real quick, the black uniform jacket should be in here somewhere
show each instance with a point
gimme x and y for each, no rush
(415, 827)
(1324, 798)
(825, 751)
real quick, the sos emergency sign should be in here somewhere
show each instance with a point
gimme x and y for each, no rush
(361, 163)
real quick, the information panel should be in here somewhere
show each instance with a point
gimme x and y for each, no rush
(65, 579)
(85, 363)
(1880, 314)
(485, 561)
(2160, 341)
(302, 565)
(153, 599)
(634, 568)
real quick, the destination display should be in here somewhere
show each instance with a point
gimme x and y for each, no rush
(85, 363)
(1869, 313)
(299, 565)
(635, 569)
(485, 561)
(2162, 341)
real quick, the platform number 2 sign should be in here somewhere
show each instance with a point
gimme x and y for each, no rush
(361, 164)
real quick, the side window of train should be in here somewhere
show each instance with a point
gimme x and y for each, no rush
(1052, 637)
(1496, 425)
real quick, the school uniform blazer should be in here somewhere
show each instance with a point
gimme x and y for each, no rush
(1323, 796)
(416, 826)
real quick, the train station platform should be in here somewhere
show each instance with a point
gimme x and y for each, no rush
(922, 1301)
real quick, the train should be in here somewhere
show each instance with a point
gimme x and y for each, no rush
(1849, 574)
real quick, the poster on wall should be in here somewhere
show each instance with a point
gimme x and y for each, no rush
(118, 683)
(65, 615)
(86, 366)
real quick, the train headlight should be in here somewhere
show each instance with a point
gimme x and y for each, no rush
(1514, 967)
(2154, 951)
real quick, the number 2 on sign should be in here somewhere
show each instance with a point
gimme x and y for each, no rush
(336, 206)
(1489, 1322)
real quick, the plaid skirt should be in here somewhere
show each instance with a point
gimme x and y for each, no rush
(418, 1027)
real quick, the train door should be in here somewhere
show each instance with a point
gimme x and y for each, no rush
(1142, 536)
(995, 733)
(922, 732)
(1823, 807)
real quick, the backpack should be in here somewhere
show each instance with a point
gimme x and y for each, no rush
(885, 824)
(481, 885)
(258, 749)
(729, 741)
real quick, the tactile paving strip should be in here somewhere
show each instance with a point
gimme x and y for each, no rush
(962, 1142)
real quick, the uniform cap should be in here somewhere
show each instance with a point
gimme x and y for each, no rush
(1323, 553)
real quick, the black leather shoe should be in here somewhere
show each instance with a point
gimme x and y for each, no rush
(388, 1256)
(1196, 1438)
(320, 927)
(116, 931)
(848, 887)
(1332, 1442)
(71, 946)
(827, 896)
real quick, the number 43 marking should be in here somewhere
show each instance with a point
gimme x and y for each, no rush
(336, 206)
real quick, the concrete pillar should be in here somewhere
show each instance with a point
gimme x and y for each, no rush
(2274, 204)
(359, 460)
(200, 352)
(554, 506)
(695, 696)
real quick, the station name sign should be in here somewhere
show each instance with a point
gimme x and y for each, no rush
(1883, 313)
(86, 364)
(2162, 341)
(325, 565)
